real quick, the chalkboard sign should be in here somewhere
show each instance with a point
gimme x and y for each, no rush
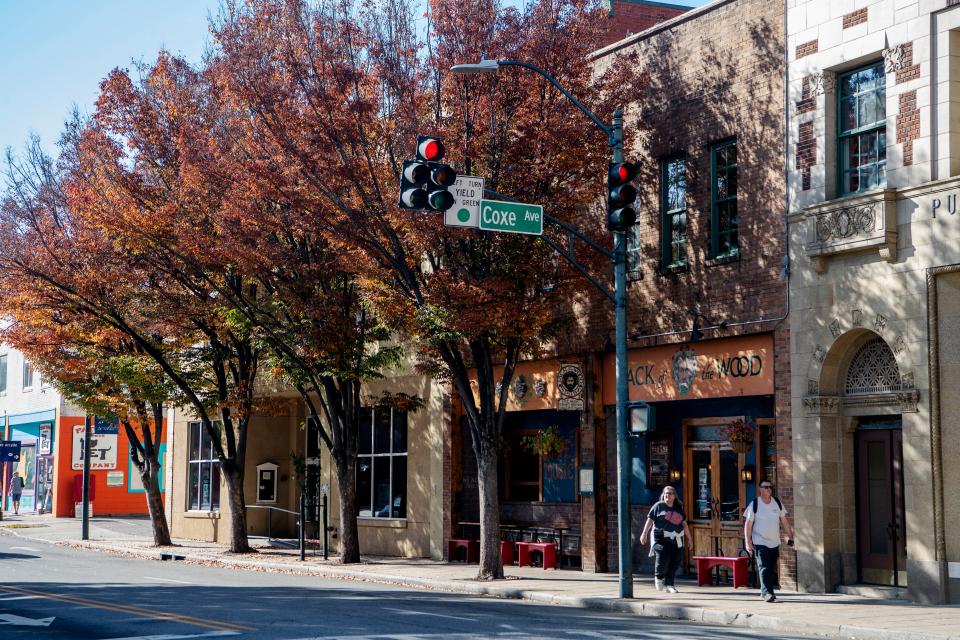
(560, 473)
(659, 459)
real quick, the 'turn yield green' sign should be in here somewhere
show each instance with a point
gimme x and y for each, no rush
(511, 217)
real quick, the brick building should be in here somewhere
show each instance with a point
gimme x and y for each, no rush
(709, 339)
(874, 173)
(628, 17)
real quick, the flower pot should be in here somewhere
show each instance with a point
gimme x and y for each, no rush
(741, 446)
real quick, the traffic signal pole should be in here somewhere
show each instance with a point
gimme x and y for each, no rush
(624, 470)
(618, 256)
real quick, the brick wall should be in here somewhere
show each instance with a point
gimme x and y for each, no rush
(806, 151)
(633, 16)
(806, 48)
(714, 77)
(854, 18)
(907, 71)
(908, 124)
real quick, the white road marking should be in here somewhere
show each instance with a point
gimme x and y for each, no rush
(210, 634)
(408, 612)
(22, 549)
(18, 598)
(20, 621)
(166, 580)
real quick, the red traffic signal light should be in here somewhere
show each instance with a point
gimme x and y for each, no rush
(620, 195)
(430, 149)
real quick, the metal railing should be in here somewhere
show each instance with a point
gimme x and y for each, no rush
(301, 516)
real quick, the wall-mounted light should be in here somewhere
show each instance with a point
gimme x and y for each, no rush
(746, 474)
(675, 475)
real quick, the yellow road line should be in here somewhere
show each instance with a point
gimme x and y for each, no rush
(122, 608)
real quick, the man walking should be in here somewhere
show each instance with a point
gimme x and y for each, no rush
(16, 488)
(761, 533)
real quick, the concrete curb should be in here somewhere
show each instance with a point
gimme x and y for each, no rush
(499, 590)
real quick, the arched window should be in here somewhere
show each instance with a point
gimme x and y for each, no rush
(873, 370)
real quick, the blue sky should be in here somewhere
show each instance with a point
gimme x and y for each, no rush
(53, 54)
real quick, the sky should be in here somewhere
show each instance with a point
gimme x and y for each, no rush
(54, 53)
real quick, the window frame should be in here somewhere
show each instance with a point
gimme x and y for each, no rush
(667, 216)
(25, 369)
(879, 126)
(716, 202)
(391, 456)
(212, 462)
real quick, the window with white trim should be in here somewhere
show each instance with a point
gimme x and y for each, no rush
(382, 463)
(27, 375)
(203, 486)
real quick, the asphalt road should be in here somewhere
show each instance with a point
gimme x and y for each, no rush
(49, 592)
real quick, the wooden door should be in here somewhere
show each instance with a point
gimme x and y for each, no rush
(881, 539)
(715, 496)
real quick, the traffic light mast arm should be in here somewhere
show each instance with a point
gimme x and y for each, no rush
(567, 252)
(608, 129)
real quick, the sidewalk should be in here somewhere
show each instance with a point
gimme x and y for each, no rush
(831, 615)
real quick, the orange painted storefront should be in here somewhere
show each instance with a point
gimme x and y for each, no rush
(122, 499)
(725, 368)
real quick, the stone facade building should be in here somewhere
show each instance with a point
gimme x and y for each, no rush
(873, 180)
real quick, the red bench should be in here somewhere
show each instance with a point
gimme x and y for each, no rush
(471, 550)
(740, 566)
(548, 549)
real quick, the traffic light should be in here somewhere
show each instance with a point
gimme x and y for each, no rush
(620, 196)
(425, 181)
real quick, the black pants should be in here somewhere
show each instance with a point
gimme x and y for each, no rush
(767, 567)
(668, 557)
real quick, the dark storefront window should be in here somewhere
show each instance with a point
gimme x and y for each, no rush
(382, 463)
(529, 476)
(204, 481)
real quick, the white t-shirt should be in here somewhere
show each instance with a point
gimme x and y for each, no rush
(766, 522)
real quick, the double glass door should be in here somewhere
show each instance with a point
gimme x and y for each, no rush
(716, 497)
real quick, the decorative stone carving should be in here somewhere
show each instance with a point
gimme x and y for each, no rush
(846, 223)
(819, 354)
(857, 317)
(813, 387)
(821, 83)
(899, 345)
(835, 328)
(880, 323)
(821, 405)
(908, 401)
(906, 380)
(873, 369)
(894, 58)
(858, 223)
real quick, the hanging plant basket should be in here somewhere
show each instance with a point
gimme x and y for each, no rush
(739, 434)
(741, 446)
(547, 443)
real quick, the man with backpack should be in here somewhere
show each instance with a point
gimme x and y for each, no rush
(761, 534)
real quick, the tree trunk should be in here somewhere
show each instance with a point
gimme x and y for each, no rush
(151, 484)
(233, 478)
(349, 535)
(491, 566)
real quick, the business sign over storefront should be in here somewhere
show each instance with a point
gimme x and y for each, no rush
(103, 450)
(714, 369)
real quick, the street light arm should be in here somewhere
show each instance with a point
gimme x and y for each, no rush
(606, 128)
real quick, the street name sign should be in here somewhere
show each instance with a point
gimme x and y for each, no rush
(467, 192)
(9, 451)
(511, 217)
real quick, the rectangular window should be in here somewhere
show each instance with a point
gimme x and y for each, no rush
(204, 476)
(382, 463)
(27, 375)
(862, 130)
(673, 207)
(724, 223)
(3, 373)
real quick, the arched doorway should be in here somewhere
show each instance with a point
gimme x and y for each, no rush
(878, 464)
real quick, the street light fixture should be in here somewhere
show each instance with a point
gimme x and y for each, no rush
(614, 134)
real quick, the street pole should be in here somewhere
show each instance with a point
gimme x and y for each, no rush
(619, 257)
(85, 497)
(624, 471)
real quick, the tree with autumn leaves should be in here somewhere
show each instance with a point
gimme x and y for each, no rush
(337, 93)
(255, 200)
